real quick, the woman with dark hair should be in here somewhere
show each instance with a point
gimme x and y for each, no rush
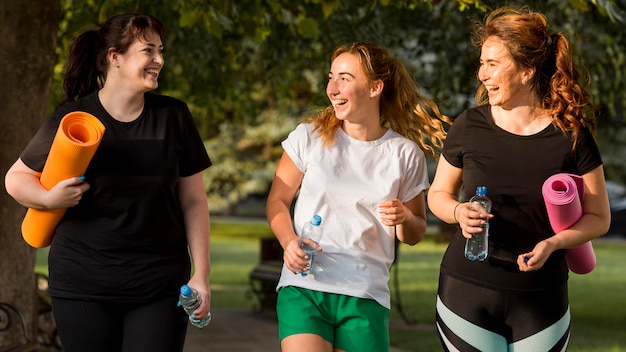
(533, 120)
(121, 252)
(360, 165)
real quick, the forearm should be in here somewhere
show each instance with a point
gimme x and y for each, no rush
(443, 195)
(596, 217)
(197, 223)
(23, 185)
(412, 230)
(197, 226)
(589, 226)
(443, 205)
(279, 219)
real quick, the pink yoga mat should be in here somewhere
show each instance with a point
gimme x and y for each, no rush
(563, 196)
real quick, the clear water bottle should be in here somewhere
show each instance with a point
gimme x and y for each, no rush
(477, 247)
(190, 300)
(309, 240)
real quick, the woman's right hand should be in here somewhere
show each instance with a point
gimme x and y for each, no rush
(470, 221)
(66, 194)
(294, 256)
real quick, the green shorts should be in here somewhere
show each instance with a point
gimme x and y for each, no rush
(348, 323)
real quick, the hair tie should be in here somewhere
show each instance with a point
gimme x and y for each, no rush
(454, 211)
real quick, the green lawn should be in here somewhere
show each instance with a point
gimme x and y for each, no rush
(597, 299)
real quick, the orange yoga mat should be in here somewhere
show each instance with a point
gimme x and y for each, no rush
(74, 145)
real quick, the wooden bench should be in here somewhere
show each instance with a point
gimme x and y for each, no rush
(12, 321)
(265, 275)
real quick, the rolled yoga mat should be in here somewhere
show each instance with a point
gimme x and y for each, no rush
(74, 145)
(563, 196)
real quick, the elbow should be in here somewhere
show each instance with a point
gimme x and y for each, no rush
(413, 240)
(11, 185)
(605, 225)
(412, 234)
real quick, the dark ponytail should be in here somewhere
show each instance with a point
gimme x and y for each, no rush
(81, 74)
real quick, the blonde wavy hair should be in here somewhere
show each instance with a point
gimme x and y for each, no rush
(402, 108)
(556, 81)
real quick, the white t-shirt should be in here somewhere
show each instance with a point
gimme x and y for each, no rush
(344, 184)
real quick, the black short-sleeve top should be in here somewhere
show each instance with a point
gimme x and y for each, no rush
(125, 241)
(513, 168)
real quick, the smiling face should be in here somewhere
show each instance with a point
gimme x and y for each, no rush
(507, 84)
(141, 64)
(349, 90)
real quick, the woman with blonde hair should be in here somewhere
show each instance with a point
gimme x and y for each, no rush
(360, 165)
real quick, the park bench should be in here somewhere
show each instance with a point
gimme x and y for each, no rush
(264, 276)
(12, 322)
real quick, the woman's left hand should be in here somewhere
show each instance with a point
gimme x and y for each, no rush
(204, 291)
(533, 261)
(392, 212)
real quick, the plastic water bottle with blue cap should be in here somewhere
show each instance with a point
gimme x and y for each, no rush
(190, 300)
(477, 247)
(309, 241)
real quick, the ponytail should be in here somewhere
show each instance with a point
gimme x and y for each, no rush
(82, 75)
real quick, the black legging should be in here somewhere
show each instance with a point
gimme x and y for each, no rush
(110, 327)
(474, 318)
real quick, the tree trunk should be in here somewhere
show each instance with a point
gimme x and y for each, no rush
(28, 29)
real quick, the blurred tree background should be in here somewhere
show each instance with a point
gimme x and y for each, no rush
(251, 69)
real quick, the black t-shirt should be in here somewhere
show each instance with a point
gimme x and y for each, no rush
(125, 241)
(513, 168)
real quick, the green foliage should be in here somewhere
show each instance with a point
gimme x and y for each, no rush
(245, 157)
(236, 62)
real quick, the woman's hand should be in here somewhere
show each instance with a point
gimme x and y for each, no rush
(393, 212)
(66, 193)
(470, 221)
(534, 260)
(200, 285)
(294, 257)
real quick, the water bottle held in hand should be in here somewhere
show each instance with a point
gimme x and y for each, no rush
(477, 247)
(309, 240)
(190, 300)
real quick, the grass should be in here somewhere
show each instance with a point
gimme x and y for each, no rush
(597, 299)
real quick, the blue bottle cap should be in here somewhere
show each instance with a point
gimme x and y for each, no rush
(316, 220)
(185, 290)
(481, 190)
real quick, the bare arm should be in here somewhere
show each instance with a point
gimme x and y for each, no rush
(443, 195)
(197, 225)
(443, 200)
(22, 183)
(409, 218)
(287, 181)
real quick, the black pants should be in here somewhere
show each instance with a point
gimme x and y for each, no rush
(474, 318)
(110, 327)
